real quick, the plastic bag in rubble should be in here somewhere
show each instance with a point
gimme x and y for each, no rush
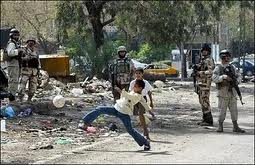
(158, 84)
(44, 78)
(8, 112)
(59, 101)
(77, 91)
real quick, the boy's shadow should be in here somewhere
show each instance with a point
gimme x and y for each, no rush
(147, 153)
(160, 141)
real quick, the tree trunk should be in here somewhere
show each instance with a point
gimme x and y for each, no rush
(98, 32)
(183, 61)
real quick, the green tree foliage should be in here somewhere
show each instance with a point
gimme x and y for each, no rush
(168, 22)
(149, 53)
(85, 20)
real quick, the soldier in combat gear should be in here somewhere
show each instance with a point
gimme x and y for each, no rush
(204, 78)
(14, 52)
(29, 70)
(121, 72)
(227, 95)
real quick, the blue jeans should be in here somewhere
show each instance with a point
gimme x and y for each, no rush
(89, 118)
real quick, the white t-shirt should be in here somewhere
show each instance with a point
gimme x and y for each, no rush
(146, 89)
(127, 101)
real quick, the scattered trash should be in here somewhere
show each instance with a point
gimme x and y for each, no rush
(44, 78)
(81, 124)
(59, 101)
(25, 113)
(113, 127)
(60, 114)
(8, 112)
(91, 130)
(171, 89)
(84, 82)
(4, 140)
(105, 134)
(42, 146)
(47, 147)
(64, 141)
(77, 91)
(158, 84)
(3, 126)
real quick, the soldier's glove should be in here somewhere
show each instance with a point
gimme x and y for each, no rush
(21, 52)
(226, 77)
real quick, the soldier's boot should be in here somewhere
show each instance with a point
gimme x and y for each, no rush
(20, 97)
(208, 121)
(203, 120)
(220, 127)
(237, 128)
(29, 99)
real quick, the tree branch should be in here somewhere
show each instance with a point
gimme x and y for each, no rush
(108, 21)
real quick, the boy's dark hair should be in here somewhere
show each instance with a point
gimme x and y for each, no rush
(140, 83)
(139, 69)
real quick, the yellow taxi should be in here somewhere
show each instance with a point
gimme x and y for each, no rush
(160, 68)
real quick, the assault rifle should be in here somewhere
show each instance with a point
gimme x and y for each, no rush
(234, 84)
(194, 74)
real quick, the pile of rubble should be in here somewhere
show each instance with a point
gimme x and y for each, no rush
(79, 89)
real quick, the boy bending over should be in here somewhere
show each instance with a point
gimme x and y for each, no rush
(123, 109)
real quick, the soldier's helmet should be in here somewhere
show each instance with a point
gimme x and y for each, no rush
(14, 32)
(206, 47)
(31, 39)
(121, 49)
(225, 53)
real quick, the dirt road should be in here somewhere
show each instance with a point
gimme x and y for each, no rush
(176, 138)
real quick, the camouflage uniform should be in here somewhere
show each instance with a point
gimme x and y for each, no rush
(13, 66)
(204, 78)
(29, 73)
(121, 73)
(227, 97)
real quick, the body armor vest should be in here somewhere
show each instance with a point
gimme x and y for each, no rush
(30, 60)
(224, 82)
(121, 70)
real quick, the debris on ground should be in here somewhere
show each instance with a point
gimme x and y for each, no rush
(113, 127)
(58, 101)
(158, 84)
(8, 112)
(27, 112)
(64, 141)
